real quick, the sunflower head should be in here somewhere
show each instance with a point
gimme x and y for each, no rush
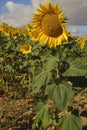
(81, 42)
(5, 29)
(28, 27)
(33, 35)
(49, 25)
(24, 32)
(14, 33)
(25, 48)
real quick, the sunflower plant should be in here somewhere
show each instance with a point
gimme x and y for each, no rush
(14, 54)
(45, 57)
(56, 62)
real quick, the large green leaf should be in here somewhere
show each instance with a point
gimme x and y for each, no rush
(50, 63)
(61, 94)
(76, 67)
(70, 122)
(38, 81)
(42, 115)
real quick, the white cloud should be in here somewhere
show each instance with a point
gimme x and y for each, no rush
(18, 14)
(35, 3)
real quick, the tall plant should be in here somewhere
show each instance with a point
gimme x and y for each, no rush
(58, 61)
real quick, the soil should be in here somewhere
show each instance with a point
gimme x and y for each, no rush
(17, 109)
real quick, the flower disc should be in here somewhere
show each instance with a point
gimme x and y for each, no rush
(51, 25)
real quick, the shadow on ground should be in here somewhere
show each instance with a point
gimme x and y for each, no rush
(80, 81)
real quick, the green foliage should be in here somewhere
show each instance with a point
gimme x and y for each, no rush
(39, 81)
(51, 79)
(70, 122)
(76, 67)
(61, 94)
(42, 117)
(50, 63)
(46, 72)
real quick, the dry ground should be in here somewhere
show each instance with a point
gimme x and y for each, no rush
(16, 109)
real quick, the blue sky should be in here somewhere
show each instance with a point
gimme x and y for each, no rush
(3, 2)
(19, 12)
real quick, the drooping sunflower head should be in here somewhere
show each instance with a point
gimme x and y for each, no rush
(28, 27)
(14, 33)
(49, 25)
(5, 29)
(81, 42)
(25, 48)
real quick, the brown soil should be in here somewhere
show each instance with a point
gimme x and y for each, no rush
(16, 111)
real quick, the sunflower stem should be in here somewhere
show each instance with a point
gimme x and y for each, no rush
(58, 65)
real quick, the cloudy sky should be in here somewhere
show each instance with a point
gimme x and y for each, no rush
(19, 12)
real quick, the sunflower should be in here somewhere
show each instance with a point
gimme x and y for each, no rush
(81, 42)
(25, 48)
(5, 29)
(49, 26)
(33, 35)
(14, 33)
(28, 27)
(24, 32)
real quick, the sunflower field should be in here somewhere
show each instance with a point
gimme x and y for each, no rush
(43, 74)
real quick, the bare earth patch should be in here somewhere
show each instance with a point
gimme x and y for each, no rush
(16, 113)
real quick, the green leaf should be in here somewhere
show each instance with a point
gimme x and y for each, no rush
(50, 63)
(1, 59)
(70, 122)
(25, 63)
(60, 94)
(42, 115)
(9, 68)
(8, 46)
(76, 67)
(38, 81)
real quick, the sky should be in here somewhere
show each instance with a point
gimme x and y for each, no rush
(17, 13)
